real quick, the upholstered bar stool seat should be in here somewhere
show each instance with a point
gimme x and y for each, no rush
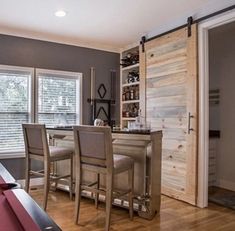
(94, 153)
(60, 153)
(37, 148)
(122, 163)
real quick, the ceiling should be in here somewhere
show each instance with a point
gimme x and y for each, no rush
(103, 24)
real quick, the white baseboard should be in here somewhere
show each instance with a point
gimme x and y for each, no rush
(230, 185)
(33, 181)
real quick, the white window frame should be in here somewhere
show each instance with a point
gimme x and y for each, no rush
(20, 153)
(76, 75)
(33, 98)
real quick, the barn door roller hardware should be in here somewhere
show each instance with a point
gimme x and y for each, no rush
(143, 40)
(189, 25)
(195, 21)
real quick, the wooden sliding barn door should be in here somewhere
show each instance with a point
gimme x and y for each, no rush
(171, 105)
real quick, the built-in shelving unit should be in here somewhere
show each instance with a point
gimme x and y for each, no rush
(131, 67)
(130, 86)
(128, 119)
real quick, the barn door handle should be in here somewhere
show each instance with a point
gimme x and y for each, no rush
(189, 122)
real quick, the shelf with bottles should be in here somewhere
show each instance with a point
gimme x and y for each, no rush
(130, 76)
(130, 110)
(130, 101)
(130, 93)
(133, 66)
(130, 84)
(130, 58)
(129, 118)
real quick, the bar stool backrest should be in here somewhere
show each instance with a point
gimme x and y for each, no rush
(93, 145)
(35, 139)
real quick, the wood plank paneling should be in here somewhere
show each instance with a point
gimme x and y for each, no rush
(173, 79)
(166, 112)
(171, 94)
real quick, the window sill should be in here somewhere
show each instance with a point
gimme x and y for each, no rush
(12, 155)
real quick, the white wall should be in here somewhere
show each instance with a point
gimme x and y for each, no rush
(222, 75)
(210, 7)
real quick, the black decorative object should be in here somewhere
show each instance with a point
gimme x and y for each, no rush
(133, 76)
(130, 58)
(102, 91)
(100, 110)
(101, 106)
(189, 24)
(143, 40)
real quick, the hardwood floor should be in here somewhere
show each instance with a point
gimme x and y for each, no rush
(174, 215)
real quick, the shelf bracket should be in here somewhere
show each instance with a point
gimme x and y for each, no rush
(189, 25)
(143, 40)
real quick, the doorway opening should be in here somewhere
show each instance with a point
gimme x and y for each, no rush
(203, 148)
(221, 174)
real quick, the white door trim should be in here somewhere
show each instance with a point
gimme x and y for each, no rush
(203, 142)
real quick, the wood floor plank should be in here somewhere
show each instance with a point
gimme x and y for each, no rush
(174, 215)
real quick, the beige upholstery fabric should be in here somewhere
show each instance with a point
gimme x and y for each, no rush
(92, 144)
(35, 144)
(122, 163)
(36, 151)
(59, 153)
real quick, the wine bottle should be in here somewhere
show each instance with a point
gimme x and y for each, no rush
(131, 94)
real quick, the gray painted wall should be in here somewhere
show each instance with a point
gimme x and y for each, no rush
(19, 51)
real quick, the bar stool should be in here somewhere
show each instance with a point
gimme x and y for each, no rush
(94, 152)
(37, 148)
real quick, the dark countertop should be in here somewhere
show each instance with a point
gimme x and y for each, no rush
(146, 132)
(67, 128)
(70, 128)
(214, 134)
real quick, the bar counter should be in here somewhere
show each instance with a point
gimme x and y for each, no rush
(144, 147)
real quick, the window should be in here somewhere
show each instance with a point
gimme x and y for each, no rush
(58, 96)
(54, 99)
(15, 94)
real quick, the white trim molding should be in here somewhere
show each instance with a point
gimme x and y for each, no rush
(33, 182)
(203, 149)
(59, 74)
(12, 155)
(230, 185)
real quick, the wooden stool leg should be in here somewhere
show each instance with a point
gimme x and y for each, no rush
(97, 194)
(71, 179)
(109, 196)
(46, 183)
(54, 165)
(27, 174)
(131, 193)
(77, 196)
(56, 185)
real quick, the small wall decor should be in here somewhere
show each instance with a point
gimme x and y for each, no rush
(101, 111)
(101, 108)
(214, 97)
(102, 91)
